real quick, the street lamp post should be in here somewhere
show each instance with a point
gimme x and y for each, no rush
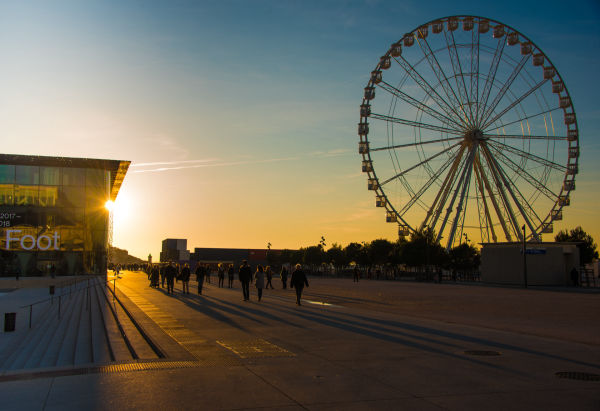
(524, 257)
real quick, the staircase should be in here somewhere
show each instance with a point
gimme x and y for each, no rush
(91, 327)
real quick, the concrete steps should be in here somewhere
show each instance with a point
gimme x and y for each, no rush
(87, 332)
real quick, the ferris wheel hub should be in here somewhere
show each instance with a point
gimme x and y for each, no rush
(473, 135)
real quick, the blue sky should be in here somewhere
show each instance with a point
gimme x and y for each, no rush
(263, 95)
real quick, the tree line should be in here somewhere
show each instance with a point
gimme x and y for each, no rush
(419, 253)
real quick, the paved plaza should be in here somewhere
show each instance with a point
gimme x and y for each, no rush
(351, 346)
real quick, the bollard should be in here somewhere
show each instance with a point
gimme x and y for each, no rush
(51, 290)
(10, 320)
(30, 312)
(59, 297)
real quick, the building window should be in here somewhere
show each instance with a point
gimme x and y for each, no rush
(7, 174)
(27, 175)
(73, 176)
(50, 176)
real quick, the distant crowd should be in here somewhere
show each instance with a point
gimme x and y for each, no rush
(262, 277)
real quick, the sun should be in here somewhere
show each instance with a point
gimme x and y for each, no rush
(109, 205)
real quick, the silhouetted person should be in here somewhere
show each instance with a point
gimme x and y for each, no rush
(208, 273)
(163, 269)
(284, 276)
(269, 275)
(221, 275)
(154, 276)
(356, 275)
(185, 279)
(575, 276)
(170, 274)
(230, 275)
(259, 281)
(298, 281)
(245, 275)
(200, 273)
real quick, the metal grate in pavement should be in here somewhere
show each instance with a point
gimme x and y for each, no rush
(580, 376)
(255, 348)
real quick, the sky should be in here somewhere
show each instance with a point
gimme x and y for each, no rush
(239, 117)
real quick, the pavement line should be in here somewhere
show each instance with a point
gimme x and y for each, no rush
(207, 354)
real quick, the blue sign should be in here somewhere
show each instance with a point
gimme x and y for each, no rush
(535, 251)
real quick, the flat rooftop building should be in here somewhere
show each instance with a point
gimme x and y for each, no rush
(53, 215)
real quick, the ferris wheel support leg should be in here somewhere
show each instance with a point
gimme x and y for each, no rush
(503, 196)
(461, 202)
(460, 184)
(443, 190)
(504, 179)
(493, 199)
(486, 209)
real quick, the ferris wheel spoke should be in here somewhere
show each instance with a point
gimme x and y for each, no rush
(489, 110)
(457, 69)
(420, 163)
(501, 191)
(418, 143)
(489, 80)
(475, 71)
(541, 113)
(442, 78)
(533, 181)
(501, 218)
(514, 103)
(507, 183)
(425, 187)
(529, 156)
(525, 137)
(416, 103)
(415, 124)
(429, 90)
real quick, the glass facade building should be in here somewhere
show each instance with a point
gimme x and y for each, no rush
(53, 218)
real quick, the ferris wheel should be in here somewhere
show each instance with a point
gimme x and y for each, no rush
(466, 127)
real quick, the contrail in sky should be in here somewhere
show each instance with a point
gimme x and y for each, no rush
(232, 163)
(213, 162)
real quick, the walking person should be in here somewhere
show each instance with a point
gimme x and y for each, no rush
(170, 274)
(284, 276)
(269, 275)
(221, 275)
(259, 280)
(154, 276)
(356, 275)
(230, 275)
(208, 273)
(245, 275)
(185, 279)
(162, 270)
(298, 281)
(200, 273)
